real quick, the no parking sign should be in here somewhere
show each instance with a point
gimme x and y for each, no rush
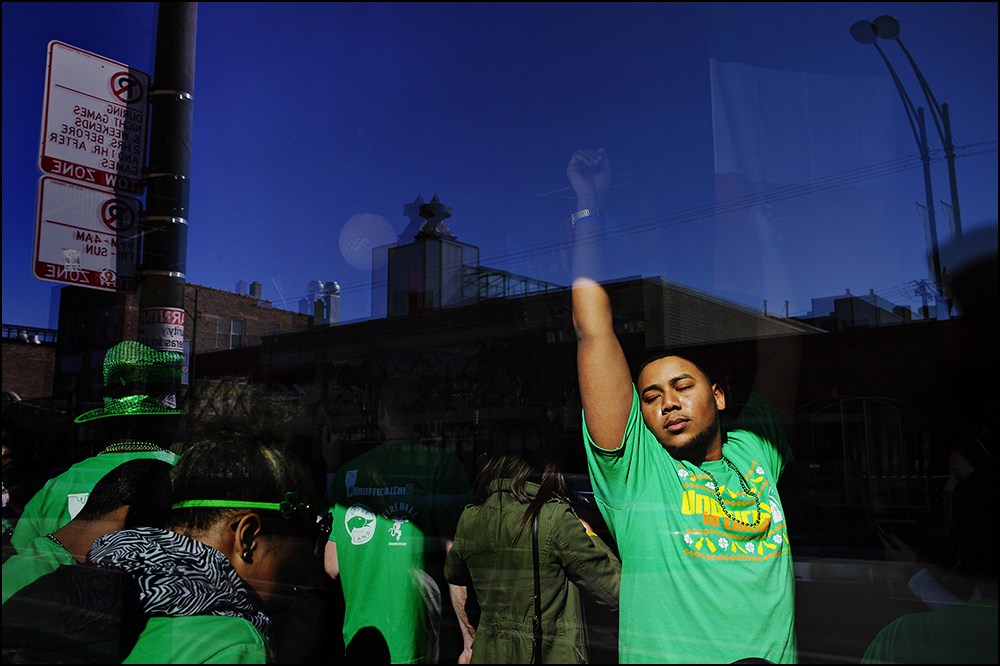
(94, 127)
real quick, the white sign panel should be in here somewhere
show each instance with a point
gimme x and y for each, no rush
(85, 236)
(94, 120)
(162, 329)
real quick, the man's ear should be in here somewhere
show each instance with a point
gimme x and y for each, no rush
(720, 397)
(248, 529)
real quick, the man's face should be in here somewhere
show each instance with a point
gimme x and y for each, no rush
(680, 407)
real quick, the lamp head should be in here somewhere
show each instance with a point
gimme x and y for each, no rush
(863, 32)
(886, 27)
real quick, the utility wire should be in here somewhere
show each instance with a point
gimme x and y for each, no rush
(706, 211)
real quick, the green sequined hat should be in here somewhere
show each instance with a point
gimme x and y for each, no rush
(137, 381)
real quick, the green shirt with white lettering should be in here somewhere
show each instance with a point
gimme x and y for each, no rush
(393, 508)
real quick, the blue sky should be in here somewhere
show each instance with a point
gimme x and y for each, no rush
(308, 114)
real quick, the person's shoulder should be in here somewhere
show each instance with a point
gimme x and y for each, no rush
(758, 405)
(199, 639)
(759, 421)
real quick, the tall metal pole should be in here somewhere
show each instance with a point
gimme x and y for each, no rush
(949, 151)
(925, 156)
(168, 186)
(865, 33)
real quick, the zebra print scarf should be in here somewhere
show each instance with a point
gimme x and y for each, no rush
(151, 572)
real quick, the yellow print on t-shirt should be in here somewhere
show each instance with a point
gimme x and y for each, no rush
(743, 534)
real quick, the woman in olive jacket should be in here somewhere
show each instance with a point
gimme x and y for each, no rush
(493, 552)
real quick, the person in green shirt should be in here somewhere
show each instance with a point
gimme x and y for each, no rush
(956, 633)
(394, 514)
(134, 494)
(243, 533)
(706, 566)
(140, 420)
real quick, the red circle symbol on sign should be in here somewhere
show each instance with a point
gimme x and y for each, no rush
(117, 216)
(127, 88)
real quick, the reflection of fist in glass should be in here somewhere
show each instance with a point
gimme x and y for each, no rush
(896, 549)
(906, 561)
(762, 221)
(589, 172)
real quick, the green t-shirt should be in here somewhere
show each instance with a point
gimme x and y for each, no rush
(200, 639)
(960, 634)
(696, 586)
(391, 508)
(40, 557)
(61, 498)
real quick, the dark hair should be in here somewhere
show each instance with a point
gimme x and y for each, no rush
(702, 366)
(242, 471)
(543, 472)
(142, 485)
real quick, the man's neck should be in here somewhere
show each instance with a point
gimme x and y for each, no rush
(714, 450)
(78, 536)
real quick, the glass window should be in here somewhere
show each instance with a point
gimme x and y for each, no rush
(800, 198)
(237, 327)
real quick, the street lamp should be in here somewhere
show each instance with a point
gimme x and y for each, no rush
(887, 27)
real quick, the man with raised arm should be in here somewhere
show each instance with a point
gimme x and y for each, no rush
(706, 566)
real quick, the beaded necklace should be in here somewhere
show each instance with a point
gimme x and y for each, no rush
(53, 539)
(130, 447)
(746, 491)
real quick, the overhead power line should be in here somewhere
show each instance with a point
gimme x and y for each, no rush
(709, 211)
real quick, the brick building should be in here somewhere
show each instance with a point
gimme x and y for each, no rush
(228, 320)
(29, 357)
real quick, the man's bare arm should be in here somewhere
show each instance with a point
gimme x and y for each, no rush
(330, 562)
(605, 383)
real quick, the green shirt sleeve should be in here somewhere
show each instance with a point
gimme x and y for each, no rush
(761, 419)
(456, 570)
(619, 476)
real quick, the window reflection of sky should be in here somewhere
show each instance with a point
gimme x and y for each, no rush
(307, 115)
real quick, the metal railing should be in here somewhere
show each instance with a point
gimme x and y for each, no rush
(29, 333)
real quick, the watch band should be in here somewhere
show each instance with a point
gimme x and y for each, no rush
(586, 212)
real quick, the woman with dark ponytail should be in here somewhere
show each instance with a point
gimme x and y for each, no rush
(497, 551)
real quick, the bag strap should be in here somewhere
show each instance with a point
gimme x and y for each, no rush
(536, 638)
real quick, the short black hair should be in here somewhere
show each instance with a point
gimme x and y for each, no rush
(142, 485)
(699, 363)
(249, 471)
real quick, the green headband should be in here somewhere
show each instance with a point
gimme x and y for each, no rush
(291, 507)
